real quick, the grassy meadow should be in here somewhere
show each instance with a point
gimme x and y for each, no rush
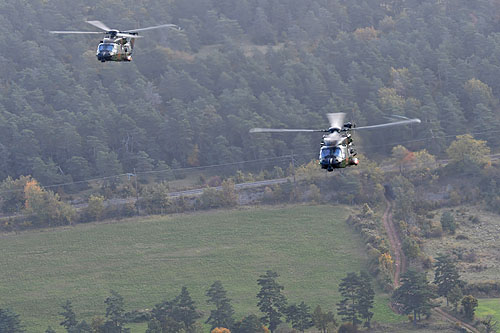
(489, 307)
(149, 259)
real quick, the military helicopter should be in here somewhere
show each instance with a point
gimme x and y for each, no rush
(116, 45)
(337, 149)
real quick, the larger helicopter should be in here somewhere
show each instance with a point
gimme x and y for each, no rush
(337, 149)
(116, 45)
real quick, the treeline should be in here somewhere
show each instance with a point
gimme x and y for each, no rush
(408, 176)
(180, 314)
(415, 297)
(189, 98)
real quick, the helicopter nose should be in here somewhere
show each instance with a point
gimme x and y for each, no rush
(104, 55)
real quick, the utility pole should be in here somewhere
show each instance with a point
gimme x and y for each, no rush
(136, 193)
(293, 168)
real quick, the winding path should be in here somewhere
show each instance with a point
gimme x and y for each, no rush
(401, 264)
(395, 243)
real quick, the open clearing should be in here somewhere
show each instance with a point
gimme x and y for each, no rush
(489, 307)
(480, 247)
(148, 260)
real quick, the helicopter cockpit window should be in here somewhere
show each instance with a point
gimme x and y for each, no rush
(326, 152)
(106, 47)
(337, 152)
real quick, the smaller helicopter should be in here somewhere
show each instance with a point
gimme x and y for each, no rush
(116, 45)
(337, 149)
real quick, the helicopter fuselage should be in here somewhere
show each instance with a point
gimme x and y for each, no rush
(115, 49)
(339, 154)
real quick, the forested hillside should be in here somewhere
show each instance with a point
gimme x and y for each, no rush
(189, 98)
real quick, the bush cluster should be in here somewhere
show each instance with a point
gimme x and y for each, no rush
(380, 261)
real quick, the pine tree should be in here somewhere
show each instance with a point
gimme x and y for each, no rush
(414, 294)
(347, 308)
(455, 295)
(446, 275)
(271, 301)
(9, 322)
(184, 309)
(299, 316)
(114, 309)
(222, 316)
(69, 315)
(366, 296)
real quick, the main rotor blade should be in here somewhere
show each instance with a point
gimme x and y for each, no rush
(336, 120)
(76, 32)
(333, 139)
(173, 26)
(100, 25)
(122, 34)
(401, 122)
(280, 130)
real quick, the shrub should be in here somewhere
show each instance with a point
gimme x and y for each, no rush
(471, 256)
(448, 222)
(427, 263)
(436, 230)
(314, 193)
(93, 211)
(347, 328)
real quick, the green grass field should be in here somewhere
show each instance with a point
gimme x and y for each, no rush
(147, 260)
(489, 307)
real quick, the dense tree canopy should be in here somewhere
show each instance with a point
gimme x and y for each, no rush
(190, 97)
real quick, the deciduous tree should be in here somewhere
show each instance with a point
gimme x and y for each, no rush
(470, 304)
(468, 154)
(45, 207)
(250, 324)
(322, 320)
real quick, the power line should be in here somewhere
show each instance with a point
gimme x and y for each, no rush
(268, 159)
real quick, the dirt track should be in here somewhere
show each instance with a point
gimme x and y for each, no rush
(395, 243)
(400, 264)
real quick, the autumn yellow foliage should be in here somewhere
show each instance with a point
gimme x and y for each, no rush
(45, 208)
(31, 190)
(386, 263)
(366, 34)
(220, 330)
